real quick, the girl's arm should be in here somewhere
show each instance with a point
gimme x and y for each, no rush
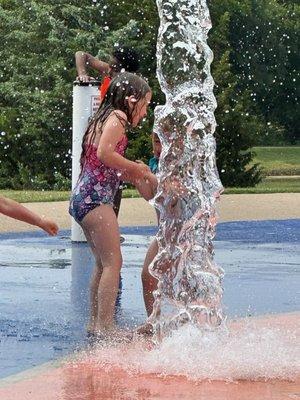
(113, 132)
(84, 60)
(15, 210)
(147, 187)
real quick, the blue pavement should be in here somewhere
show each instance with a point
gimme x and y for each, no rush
(268, 231)
(44, 284)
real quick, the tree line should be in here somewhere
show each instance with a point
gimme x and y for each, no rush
(256, 71)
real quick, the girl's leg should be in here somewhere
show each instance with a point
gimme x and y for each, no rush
(94, 285)
(149, 285)
(117, 200)
(102, 227)
(149, 282)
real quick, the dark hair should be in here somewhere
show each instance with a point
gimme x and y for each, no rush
(122, 86)
(126, 58)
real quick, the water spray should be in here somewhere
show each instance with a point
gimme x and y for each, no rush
(189, 281)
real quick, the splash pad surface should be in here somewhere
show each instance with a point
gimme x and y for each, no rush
(44, 286)
(90, 379)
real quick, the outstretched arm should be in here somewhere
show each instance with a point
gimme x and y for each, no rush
(84, 61)
(15, 210)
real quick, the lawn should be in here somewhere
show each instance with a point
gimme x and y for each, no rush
(268, 185)
(275, 161)
(278, 160)
(32, 196)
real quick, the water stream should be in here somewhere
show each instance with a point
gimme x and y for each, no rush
(190, 282)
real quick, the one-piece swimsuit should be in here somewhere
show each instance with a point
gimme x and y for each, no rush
(97, 183)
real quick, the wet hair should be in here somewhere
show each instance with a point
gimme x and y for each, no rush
(121, 87)
(126, 58)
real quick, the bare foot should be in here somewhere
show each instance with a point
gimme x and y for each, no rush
(90, 327)
(112, 335)
(145, 329)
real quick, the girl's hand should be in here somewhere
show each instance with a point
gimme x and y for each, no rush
(49, 226)
(85, 78)
(142, 170)
(139, 173)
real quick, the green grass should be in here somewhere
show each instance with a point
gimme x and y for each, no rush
(278, 160)
(268, 185)
(32, 196)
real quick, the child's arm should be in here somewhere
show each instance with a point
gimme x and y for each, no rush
(113, 132)
(147, 186)
(15, 210)
(84, 60)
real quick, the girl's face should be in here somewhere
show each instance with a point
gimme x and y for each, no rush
(156, 145)
(139, 108)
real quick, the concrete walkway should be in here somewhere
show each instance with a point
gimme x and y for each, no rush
(137, 212)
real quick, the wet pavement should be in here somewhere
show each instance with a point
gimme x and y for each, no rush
(44, 284)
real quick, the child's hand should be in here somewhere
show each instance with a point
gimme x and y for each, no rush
(151, 180)
(177, 187)
(141, 162)
(142, 170)
(49, 226)
(85, 78)
(139, 173)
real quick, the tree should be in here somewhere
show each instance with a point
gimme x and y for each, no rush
(37, 66)
(238, 128)
(265, 37)
(37, 71)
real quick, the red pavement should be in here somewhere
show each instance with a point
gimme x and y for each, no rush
(86, 380)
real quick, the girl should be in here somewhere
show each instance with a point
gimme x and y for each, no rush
(157, 148)
(148, 281)
(122, 58)
(103, 166)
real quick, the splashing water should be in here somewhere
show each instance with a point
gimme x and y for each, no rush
(189, 288)
(190, 283)
(259, 349)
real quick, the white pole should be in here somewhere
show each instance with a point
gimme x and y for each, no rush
(86, 100)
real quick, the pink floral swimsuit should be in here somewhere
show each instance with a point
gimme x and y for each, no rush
(97, 183)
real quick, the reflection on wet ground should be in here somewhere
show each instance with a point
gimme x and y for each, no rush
(94, 376)
(44, 285)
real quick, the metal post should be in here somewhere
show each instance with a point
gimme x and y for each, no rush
(86, 100)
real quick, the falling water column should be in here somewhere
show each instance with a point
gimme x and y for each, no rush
(189, 288)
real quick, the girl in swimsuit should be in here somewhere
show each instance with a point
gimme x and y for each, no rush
(103, 165)
(122, 58)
